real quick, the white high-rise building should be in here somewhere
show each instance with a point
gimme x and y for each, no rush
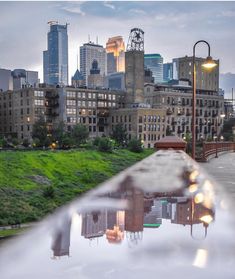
(88, 53)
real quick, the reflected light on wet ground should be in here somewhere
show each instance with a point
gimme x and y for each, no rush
(143, 221)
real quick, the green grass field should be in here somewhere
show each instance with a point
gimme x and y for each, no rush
(34, 183)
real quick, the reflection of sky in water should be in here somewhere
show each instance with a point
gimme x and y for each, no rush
(128, 233)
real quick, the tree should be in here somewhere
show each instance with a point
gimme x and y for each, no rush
(120, 135)
(80, 134)
(135, 145)
(40, 132)
(59, 132)
(105, 145)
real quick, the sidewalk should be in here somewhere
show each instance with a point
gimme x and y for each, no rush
(222, 169)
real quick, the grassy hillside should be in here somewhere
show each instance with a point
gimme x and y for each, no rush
(33, 183)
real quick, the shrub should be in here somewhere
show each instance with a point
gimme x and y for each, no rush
(135, 145)
(105, 145)
(49, 192)
(25, 143)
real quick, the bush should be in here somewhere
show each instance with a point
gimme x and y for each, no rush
(105, 145)
(26, 143)
(135, 145)
(49, 192)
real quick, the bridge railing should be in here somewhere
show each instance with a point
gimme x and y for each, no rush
(213, 148)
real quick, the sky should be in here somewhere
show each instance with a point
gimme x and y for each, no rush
(171, 29)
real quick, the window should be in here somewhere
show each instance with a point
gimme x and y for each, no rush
(39, 102)
(71, 111)
(71, 103)
(71, 94)
(38, 93)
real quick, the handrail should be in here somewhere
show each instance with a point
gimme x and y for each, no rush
(212, 148)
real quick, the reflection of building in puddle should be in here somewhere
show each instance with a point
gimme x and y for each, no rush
(61, 239)
(152, 219)
(115, 228)
(94, 224)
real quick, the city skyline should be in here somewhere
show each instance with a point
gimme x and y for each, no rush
(165, 25)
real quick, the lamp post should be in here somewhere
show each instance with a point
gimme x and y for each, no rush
(217, 134)
(209, 64)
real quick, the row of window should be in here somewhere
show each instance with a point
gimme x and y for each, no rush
(72, 94)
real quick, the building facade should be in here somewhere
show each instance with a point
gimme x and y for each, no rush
(154, 62)
(206, 80)
(88, 53)
(146, 124)
(6, 80)
(115, 48)
(134, 77)
(167, 71)
(23, 78)
(20, 109)
(55, 58)
(115, 81)
(177, 100)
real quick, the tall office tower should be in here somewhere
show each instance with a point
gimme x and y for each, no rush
(23, 79)
(206, 80)
(88, 53)
(175, 69)
(167, 71)
(154, 62)
(55, 58)
(134, 67)
(6, 81)
(115, 48)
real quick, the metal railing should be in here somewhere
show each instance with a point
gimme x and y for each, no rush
(213, 148)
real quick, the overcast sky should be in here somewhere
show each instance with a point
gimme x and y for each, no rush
(171, 29)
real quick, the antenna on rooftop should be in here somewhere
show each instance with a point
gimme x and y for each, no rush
(97, 40)
(89, 39)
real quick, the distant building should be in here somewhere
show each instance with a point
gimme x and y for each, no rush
(88, 53)
(61, 239)
(94, 224)
(134, 74)
(167, 71)
(148, 76)
(6, 80)
(77, 80)
(95, 79)
(23, 79)
(115, 48)
(115, 81)
(154, 62)
(175, 69)
(55, 58)
(206, 80)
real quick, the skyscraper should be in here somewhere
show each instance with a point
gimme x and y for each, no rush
(90, 52)
(154, 62)
(55, 58)
(115, 48)
(167, 71)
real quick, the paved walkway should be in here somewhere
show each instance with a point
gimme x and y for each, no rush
(222, 169)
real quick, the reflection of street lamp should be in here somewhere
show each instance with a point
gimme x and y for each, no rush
(217, 134)
(208, 64)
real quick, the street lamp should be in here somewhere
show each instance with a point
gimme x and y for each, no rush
(208, 65)
(217, 134)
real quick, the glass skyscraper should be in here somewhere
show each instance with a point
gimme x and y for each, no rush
(55, 58)
(167, 71)
(154, 62)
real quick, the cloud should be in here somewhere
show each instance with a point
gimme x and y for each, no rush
(109, 5)
(138, 11)
(228, 14)
(75, 8)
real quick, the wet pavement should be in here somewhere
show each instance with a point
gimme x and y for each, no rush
(222, 169)
(162, 217)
